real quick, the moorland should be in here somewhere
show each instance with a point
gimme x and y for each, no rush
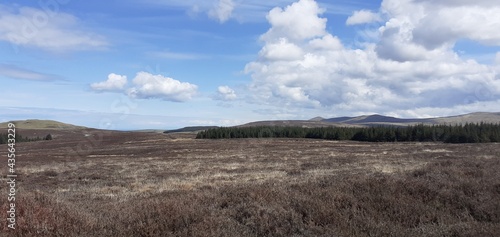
(89, 182)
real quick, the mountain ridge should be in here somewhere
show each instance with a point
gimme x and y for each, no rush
(344, 121)
(382, 120)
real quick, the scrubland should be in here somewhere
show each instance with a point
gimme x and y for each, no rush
(96, 183)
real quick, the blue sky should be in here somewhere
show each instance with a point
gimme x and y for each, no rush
(167, 64)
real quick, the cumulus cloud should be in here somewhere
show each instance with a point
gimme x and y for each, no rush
(113, 83)
(443, 26)
(404, 71)
(148, 86)
(281, 50)
(327, 42)
(222, 10)
(298, 21)
(456, 3)
(363, 17)
(46, 29)
(239, 10)
(429, 25)
(225, 93)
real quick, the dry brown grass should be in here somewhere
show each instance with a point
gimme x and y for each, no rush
(139, 184)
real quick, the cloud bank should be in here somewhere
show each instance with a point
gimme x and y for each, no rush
(410, 68)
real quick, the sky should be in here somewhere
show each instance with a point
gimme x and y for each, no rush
(171, 63)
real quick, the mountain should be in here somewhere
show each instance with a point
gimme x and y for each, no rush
(338, 119)
(376, 119)
(359, 121)
(40, 124)
(470, 118)
(297, 123)
(381, 120)
(317, 119)
(190, 129)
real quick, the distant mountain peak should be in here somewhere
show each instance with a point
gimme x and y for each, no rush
(318, 118)
(382, 120)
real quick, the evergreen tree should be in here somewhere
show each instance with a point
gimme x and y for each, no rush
(470, 133)
(48, 137)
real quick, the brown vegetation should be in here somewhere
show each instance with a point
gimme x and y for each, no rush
(95, 183)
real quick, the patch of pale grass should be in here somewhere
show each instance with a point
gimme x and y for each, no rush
(436, 150)
(487, 157)
(40, 168)
(321, 172)
(390, 168)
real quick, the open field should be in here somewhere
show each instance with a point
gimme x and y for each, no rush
(89, 182)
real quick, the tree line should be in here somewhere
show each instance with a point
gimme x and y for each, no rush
(468, 133)
(4, 138)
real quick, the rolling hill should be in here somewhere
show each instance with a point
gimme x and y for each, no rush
(41, 124)
(370, 120)
(470, 118)
(381, 120)
(190, 129)
(359, 121)
(297, 123)
(377, 119)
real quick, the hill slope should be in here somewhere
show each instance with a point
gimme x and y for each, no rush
(371, 120)
(380, 120)
(41, 124)
(470, 118)
(190, 129)
(297, 123)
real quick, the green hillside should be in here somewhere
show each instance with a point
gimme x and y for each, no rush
(40, 124)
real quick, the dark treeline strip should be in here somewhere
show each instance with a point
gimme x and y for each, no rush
(4, 138)
(468, 133)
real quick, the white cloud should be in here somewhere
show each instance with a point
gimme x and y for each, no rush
(281, 50)
(430, 25)
(113, 83)
(301, 65)
(448, 24)
(148, 86)
(363, 17)
(243, 11)
(222, 10)
(454, 3)
(327, 42)
(225, 93)
(46, 29)
(296, 22)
